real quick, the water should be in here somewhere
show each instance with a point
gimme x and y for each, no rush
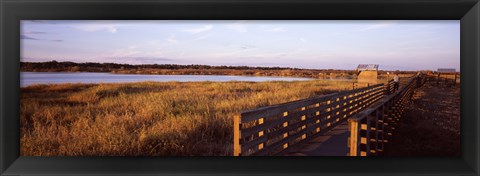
(30, 78)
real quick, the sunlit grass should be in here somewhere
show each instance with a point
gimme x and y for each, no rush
(147, 118)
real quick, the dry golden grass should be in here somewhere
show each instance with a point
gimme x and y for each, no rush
(148, 118)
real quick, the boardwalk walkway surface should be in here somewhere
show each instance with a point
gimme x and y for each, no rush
(332, 143)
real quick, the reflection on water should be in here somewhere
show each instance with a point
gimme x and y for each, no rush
(30, 78)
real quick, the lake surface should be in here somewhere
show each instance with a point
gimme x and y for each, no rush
(30, 78)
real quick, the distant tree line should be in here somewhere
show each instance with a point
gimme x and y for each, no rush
(66, 66)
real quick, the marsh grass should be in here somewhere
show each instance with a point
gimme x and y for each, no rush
(147, 118)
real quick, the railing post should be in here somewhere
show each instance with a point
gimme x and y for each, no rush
(387, 91)
(368, 135)
(375, 132)
(236, 136)
(354, 137)
(381, 129)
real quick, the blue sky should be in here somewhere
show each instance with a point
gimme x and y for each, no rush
(402, 45)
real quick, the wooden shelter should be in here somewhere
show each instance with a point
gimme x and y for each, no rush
(367, 74)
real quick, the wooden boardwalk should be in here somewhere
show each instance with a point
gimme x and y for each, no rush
(350, 123)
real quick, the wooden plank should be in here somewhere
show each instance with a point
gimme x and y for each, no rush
(272, 124)
(248, 116)
(253, 143)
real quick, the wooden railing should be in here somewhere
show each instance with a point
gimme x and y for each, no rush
(389, 87)
(372, 128)
(446, 79)
(273, 130)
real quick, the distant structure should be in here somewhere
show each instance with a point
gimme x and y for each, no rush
(447, 74)
(446, 70)
(367, 74)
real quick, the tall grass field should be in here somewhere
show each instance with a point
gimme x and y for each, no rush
(147, 118)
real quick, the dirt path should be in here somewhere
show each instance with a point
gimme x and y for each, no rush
(431, 124)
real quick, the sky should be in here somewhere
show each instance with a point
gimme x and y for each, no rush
(311, 44)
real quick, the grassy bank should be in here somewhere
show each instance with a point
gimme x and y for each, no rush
(148, 118)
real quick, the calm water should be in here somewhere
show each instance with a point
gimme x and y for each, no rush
(30, 78)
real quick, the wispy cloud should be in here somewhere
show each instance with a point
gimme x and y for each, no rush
(199, 29)
(36, 32)
(26, 37)
(238, 26)
(138, 60)
(246, 46)
(40, 21)
(275, 29)
(270, 55)
(377, 26)
(172, 39)
(203, 37)
(96, 27)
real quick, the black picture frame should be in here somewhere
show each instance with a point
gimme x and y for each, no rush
(12, 11)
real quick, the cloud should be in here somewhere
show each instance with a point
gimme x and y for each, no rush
(199, 29)
(40, 21)
(138, 60)
(202, 37)
(303, 40)
(238, 27)
(377, 26)
(36, 32)
(26, 37)
(246, 46)
(270, 55)
(172, 39)
(276, 29)
(96, 27)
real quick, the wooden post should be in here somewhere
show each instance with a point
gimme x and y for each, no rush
(368, 135)
(387, 91)
(236, 136)
(375, 131)
(354, 137)
(382, 128)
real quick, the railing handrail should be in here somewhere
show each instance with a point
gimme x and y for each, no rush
(341, 106)
(387, 98)
(385, 115)
(318, 97)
